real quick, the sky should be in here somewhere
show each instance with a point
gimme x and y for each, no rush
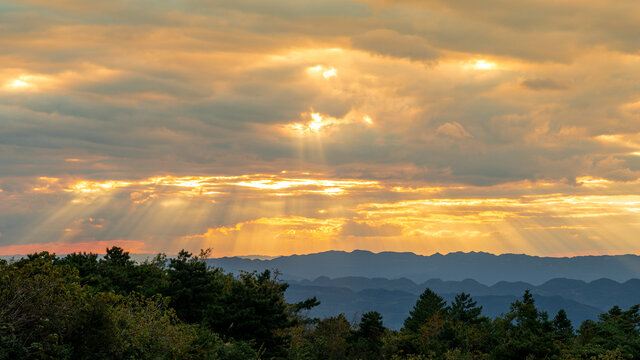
(295, 126)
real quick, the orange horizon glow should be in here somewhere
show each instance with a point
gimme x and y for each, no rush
(137, 247)
(423, 220)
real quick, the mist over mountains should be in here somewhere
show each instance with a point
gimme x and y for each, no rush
(483, 267)
(390, 283)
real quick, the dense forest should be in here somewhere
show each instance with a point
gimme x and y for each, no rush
(82, 306)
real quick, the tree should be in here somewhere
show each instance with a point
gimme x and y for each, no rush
(116, 256)
(616, 329)
(192, 287)
(371, 326)
(86, 264)
(117, 272)
(466, 332)
(465, 310)
(422, 329)
(328, 340)
(38, 306)
(428, 305)
(366, 342)
(147, 328)
(562, 328)
(252, 308)
(524, 332)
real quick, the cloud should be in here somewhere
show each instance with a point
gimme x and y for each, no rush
(352, 228)
(97, 99)
(453, 130)
(542, 84)
(390, 43)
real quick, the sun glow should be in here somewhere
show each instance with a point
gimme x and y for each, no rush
(21, 83)
(329, 73)
(315, 125)
(210, 185)
(483, 65)
(347, 211)
(326, 72)
(92, 186)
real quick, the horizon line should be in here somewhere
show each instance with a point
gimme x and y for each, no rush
(272, 257)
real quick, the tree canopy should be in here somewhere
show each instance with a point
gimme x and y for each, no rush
(83, 306)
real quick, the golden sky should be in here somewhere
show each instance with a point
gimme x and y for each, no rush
(295, 126)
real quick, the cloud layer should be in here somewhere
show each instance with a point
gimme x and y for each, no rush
(298, 126)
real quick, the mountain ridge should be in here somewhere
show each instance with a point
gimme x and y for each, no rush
(481, 266)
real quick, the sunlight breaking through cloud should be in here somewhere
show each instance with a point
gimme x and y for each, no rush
(311, 212)
(404, 125)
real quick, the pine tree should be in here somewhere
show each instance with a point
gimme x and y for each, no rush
(562, 328)
(426, 307)
(465, 310)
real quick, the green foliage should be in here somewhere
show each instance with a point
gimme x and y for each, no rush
(38, 306)
(210, 345)
(146, 328)
(563, 333)
(86, 264)
(524, 332)
(467, 334)
(327, 340)
(117, 272)
(83, 307)
(192, 287)
(428, 305)
(423, 328)
(617, 330)
(465, 310)
(252, 308)
(366, 342)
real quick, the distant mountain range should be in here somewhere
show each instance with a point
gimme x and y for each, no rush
(395, 298)
(390, 283)
(483, 267)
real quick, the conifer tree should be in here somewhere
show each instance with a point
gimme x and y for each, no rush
(426, 307)
(563, 330)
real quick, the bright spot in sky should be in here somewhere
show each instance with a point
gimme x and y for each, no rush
(19, 83)
(589, 181)
(484, 65)
(329, 73)
(317, 123)
(24, 82)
